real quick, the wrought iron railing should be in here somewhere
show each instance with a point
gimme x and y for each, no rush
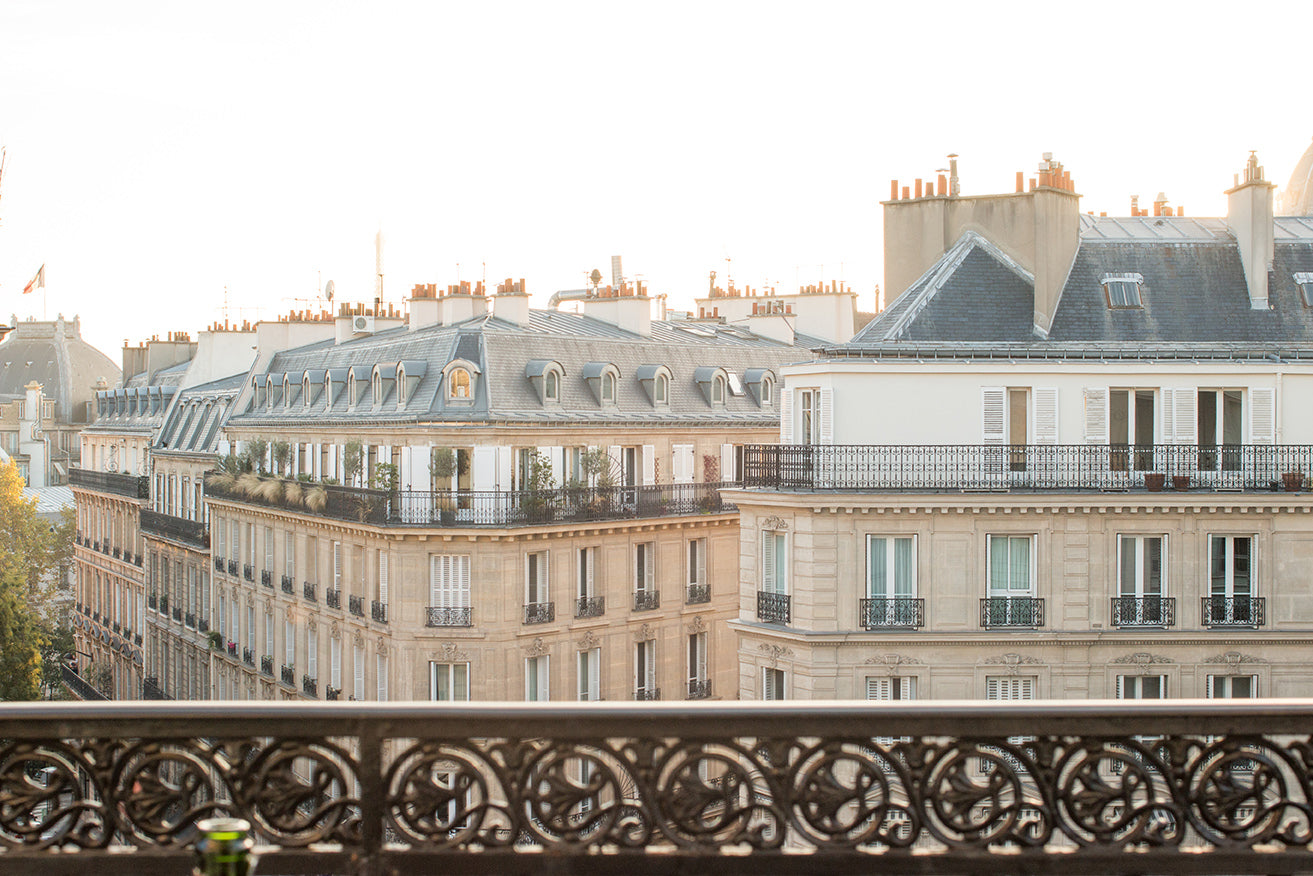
(447, 616)
(267, 578)
(116, 483)
(332, 693)
(309, 686)
(232, 567)
(333, 598)
(774, 608)
(894, 612)
(287, 584)
(1234, 611)
(698, 594)
(80, 687)
(288, 675)
(190, 532)
(646, 600)
(699, 688)
(590, 606)
(1012, 611)
(248, 571)
(308, 590)
(378, 611)
(540, 612)
(356, 605)
(190, 619)
(1143, 611)
(177, 613)
(202, 625)
(248, 657)
(164, 603)
(219, 564)
(151, 689)
(647, 694)
(1025, 466)
(267, 665)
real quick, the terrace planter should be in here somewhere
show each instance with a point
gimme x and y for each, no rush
(1155, 481)
(1180, 483)
(1293, 481)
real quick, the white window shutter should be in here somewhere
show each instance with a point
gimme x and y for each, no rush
(1046, 415)
(767, 689)
(382, 678)
(1262, 415)
(1121, 687)
(682, 468)
(786, 416)
(335, 663)
(358, 674)
(331, 462)
(594, 674)
(504, 479)
(993, 409)
(1184, 414)
(1208, 688)
(312, 653)
(649, 465)
(827, 416)
(879, 688)
(727, 462)
(383, 577)
(992, 688)
(553, 454)
(1096, 415)
(1168, 410)
(406, 468)
(483, 470)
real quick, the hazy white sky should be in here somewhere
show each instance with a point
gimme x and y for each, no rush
(160, 152)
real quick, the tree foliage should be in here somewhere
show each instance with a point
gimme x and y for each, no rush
(31, 553)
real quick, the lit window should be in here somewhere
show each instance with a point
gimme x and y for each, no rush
(1122, 290)
(460, 383)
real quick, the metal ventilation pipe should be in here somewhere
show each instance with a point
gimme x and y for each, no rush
(569, 295)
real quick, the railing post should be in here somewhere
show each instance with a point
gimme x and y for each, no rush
(373, 797)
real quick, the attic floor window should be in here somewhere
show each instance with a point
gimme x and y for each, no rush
(1304, 281)
(1122, 293)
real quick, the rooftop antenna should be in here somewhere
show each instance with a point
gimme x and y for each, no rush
(378, 269)
(954, 185)
(329, 290)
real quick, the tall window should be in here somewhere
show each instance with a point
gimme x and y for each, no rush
(1141, 687)
(697, 562)
(337, 565)
(1231, 585)
(697, 660)
(585, 573)
(589, 674)
(381, 667)
(661, 389)
(1010, 565)
(535, 578)
(383, 577)
(608, 386)
(449, 581)
(773, 566)
(889, 688)
(718, 390)
(809, 402)
(644, 561)
(1232, 687)
(890, 566)
(772, 684)
(449, 682)
(1132, 420)
(269, 549)
(289, 642)
(552, 385)
(289, 555)
(645, 686)
(358, 671)
(1140, 565)
(537, 686)
(312, 654)
(335, 664)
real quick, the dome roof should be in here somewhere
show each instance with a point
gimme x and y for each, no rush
(1297, 199)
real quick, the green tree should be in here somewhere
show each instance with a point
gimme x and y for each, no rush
(21, 641)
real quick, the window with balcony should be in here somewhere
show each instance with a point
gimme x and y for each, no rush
(334, 667)
(589, 674)
(587, 603)
(773, 603)
(773, 684)
(538, 606)
(646, 596)
(449, 590)
(812, 411)
(699, 591)
(449, 682)
(1011, 599)
(1140, 600)
(891, 599)
(699, 683)
(1231, 600)
(645, 672)
(1141, 687)
(537, 679)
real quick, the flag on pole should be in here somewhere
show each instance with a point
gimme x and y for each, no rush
(37, 282)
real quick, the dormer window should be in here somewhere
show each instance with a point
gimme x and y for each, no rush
(305, 390)
(376, 387)
(661, 390)
(608, 387)
(409, 374)
(655, 381)
(718, 390)
(1304, 280)
(358, 377)
(459, 386)
(712, 381)
(603, 379)
(767, 392)
(545, 376)
(552, 387)
(1122, 291)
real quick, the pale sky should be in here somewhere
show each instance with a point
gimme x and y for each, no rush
(160, 152)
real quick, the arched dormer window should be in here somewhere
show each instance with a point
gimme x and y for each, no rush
(305, 389)
(761, 385)
(718, 390)
(358, 377)
(767, 392)
(712, 381)
(661, 390)
(409, 374)
(351, 388)
(608, 387)
(459, 384)
(655, 381)
(603, 379)
(376, 387)
(552, 387)
(545, 376)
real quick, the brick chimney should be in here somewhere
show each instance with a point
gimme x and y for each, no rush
(511, 303)
(1249, 216)
(625, 306)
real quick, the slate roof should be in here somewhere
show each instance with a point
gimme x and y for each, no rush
(193, 422)
(502, 389)
(1193, 294)
(55, 356)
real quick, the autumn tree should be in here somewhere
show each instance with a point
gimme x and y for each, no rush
(30, 554)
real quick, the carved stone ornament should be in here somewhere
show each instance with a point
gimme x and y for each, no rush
(268, 605)
(448, 653)
(645, 633)
(774, 652)
(1141, 658)
(250, 599)
(1234, 658)
(774, 522)
(334, 632)
(697, 626)
(358, 639)
(381, 645)
(588, 641)
(310, 623)
(1012, 661)
(891, 661)
(536, 648)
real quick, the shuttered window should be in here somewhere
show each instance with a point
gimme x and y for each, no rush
(312, 653)
(381, 666)
(1096, 415)
(335, 663)
(1262, 415)
(358, 671)
(1010, 687)
(644, 561)
(697, 561)
(537, 687)
(1141, 687)
(589, 671)
(449, 580)
(890, 688)
(697, 656)
(772, 684)
(383, 577)
(645, 666)
(449, 682)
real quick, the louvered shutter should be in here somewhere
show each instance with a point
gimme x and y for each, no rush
(1208, 688)
(289, 643)
(335, 663)
(1185, 415)
(727, 473)
(330, 461)
(993, 410)
(992, 688)
(767, 688)
(358, 673)
(504, 478)
(337, 565)
(382, 667)
(405, 468)
(1121, 687)
(383, 577)
(827, 416)
(649, 465)
(1046, 415)
(879, 688)
(315, 465)
(786, 416)
(768, 562)
(1096, 415)
(682, 467)
(484, 469)
(617, 461)
(1262, 415)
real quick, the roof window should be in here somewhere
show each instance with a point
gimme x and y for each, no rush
(1122, 290)
(655, 381)
(1304, 280)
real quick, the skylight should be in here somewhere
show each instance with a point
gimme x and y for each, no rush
(735, 386)
(1122, 290)
(1304, 280)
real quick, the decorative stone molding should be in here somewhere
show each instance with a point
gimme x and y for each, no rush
(536, 648)
(697, 626)
(1141, 658)
(588, 641)
(358, 638)
(448, 653)
(774, 652)
(334, 632)
(774, 522)
(1012, 661)
(381, 645)
(311, 624)
(1234, 658)
(891, 662)
(645, 633)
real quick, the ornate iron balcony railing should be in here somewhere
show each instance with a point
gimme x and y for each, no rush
(448, 616)
(1234, 611)
(267, 665)
(1070, 467)
(332, 693)
(698, 594)
(219, 564)
(177, 613)
(267, 578)
(232, 567)
(288, 583)
(894, 612)
(540, 612)
(308, 591)
(356, 605)
(647, 600)
(80, 687)
(774, 608)
(189, 532)
(288, 675)
(309, 686)
(190, 619)
(203, 625)
(1143, 611)
(131, 486)
(333, 598)
(647, 693)
(590, 606)
(699, 688)
(248, 657)
(1012, 611)
(164, 603)
(248, 571)
(378, 611)
(1026, 788)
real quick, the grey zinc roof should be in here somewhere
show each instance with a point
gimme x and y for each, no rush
(501, 351)
(193, 421)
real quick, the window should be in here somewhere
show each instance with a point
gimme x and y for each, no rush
(1220, 422)
(890, 688)
(1232, 687)
(661, 390)
(1133, 415)
(449, 589)
(890, 583)
(718, 390)
(535, 578)
(608, 387)
(312, 654)
(1140, 566)
(645, 687)
(1010, 687)
(767, 391)
(810, 409)
(645, 595)
(269, 633)
(383, 577)
(1122, 290)
(537, 688)
(1230, 565)
(381, 666)
(697, 664)
(269, 549)
(772, 684)
(586, 572)
(1304, 280)
(335, 664)
(590, 667)
(697, 562)
(773, 565)
(289, 555)
(358, 671)
(289, 643)
(337, 565)
(459, 385)
(552, 386)
(1141, 687)
(449, 682)
(1010, 565)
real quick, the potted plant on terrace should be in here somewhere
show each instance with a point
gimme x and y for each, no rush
(1154, 481)
(1292, 481)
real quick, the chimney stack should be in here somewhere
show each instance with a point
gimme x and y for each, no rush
(1249, 216)
(511, 303)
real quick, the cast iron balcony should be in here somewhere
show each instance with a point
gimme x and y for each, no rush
(190, 619)
(446, 616)
(1143, 611)
(130, 486)
(332, 693)
(378, 611)
(356, 605)
(308, 590)
(1012, 611)
(219, 564)
(333, 598)
(647, 693)
(164, 603)
(232, 568)
(309, 686)
(267, 665)
(248, 571)
(699, 688)
(248, 657)
(698, 594)
(151, 690)
(177, 613)
(589, 606)
(287, 585)
(773, 608)
(897, 612)
(190, 532)
(1234, 611)
(267, 578)
(289, 675)
(646, 600)
(540, 612)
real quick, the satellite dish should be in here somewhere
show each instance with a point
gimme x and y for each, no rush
(329, 288)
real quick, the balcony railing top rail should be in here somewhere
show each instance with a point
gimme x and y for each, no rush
(465, 508)
(1067, 467)
(119, 484)
(190, 532)
(1187, 786)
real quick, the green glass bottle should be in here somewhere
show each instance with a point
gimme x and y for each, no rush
(223, 847)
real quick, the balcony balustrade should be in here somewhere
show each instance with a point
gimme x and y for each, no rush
(232, 650)
(356, 605)
(190, 619)
(308, 591)
(202, 625)
(647, 600)
(177, 613)
(232, 568)
(190, 532)
(1012, 611)
(288, 675)
(117, 553)
(288, 587)
(698, 594)
(80, 687)
(1143, 611)
(333, 598)
(151, 689)
(332, 693)
(646, 694)
(589, 606)
(378, 611)
(897, 612)
(773, 608)
(1165, 787)
(267, 665)
(1234, 611)
(248, 572)
(309, 686)
(699, 688)
(136, 640)
(115, 483)
(219, 564)
(248, 657)
(267, 578)
(540, 612)
(448, 616)
(1065, 468)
